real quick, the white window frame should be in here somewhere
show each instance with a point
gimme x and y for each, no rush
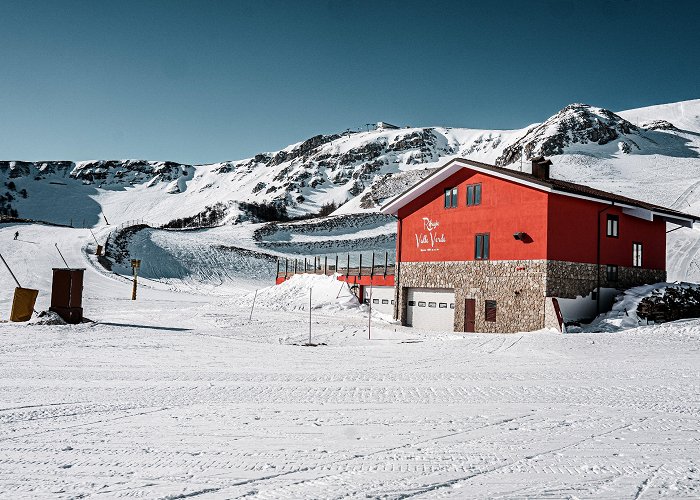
(637, 254)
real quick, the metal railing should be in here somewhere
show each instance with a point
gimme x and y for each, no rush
(323, 265)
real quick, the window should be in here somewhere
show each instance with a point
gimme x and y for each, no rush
(412, 303)
(375, 301)
(490, 311)
(473, 195)
(613, 226)
(611, 273)
(637, 254)
(366, 301)
(392, 302)
(452, 306)
(451, 197)
(385, 301)
(432, 304)
(443, 305)
(481, 247)
(421, 304)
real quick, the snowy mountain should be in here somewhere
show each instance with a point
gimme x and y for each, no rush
(579, 124)
(362, 168)
(649, 153)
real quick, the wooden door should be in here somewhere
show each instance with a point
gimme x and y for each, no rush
(469, 315)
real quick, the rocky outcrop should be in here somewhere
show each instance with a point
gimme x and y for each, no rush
(576, 124)
(659, 125)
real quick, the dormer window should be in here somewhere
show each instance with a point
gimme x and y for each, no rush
(451, 197)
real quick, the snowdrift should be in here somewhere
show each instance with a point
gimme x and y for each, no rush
(327, 294)
(623, 315)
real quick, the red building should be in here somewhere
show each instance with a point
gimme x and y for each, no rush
(489, 249)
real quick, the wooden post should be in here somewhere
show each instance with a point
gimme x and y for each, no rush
(359, 268)
(371, 271)
(135, 265)
(278, 269)
(305, 265)
(336, 263)
(286, 267)
(347, 269)
(386, 262)
(295, 265)
(369, 324)
(325, 265)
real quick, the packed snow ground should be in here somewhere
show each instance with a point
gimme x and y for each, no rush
(179, 394)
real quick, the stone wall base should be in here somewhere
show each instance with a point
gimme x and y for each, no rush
(522, 289)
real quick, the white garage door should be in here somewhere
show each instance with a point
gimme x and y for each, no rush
(382, 299)
(431, 309)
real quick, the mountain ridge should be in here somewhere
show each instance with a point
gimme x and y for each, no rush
(356, 170)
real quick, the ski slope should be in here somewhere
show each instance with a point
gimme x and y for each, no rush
(182, 394)
(189, 391)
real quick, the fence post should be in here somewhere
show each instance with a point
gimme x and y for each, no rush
(369, 320)
(386, 262)
(336, 263)
(286, 267)
(310, 288)
(371, 272)
(347, 269)
(253, 306)
(325, 265)
(359, 268)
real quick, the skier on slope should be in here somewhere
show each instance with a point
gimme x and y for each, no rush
(16, 234)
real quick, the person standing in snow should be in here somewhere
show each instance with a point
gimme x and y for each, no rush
(16, 234)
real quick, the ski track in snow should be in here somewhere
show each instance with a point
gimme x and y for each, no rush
(180, 395)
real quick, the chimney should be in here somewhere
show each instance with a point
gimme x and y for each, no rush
(540, 167)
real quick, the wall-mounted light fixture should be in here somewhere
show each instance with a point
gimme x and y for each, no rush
(520, 236)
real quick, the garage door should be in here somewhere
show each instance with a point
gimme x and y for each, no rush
(382, 299)
(431, 309)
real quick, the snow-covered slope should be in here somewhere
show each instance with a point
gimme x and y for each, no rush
(302, 177)
(182, 395)
(648, 153)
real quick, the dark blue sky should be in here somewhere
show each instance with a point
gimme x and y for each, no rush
(205, 81)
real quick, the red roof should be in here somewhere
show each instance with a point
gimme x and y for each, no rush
(552, 185)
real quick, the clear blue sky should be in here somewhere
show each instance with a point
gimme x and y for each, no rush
(205, 81)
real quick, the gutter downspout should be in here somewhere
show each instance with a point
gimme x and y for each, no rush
(397, 269)
(597, 296)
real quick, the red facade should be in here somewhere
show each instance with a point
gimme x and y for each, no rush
(555, 226)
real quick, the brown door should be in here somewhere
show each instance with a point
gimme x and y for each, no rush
(469, 314)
